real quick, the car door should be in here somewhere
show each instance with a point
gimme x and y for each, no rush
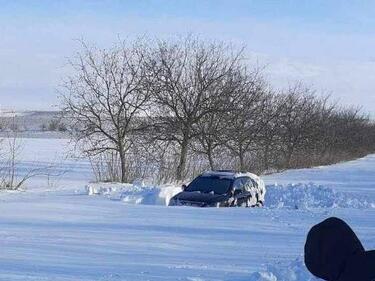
(240, 192)
(250, 192)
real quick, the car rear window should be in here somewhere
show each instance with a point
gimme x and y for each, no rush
(216, 185)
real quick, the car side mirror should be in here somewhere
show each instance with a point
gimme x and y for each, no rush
(183, 187)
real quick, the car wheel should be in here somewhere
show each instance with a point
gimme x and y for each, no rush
(258, 202)
(246, 203)
(232, 203)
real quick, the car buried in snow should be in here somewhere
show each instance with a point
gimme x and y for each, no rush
(222, 189)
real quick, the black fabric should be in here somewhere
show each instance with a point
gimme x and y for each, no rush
(334, 253)
(359, 267)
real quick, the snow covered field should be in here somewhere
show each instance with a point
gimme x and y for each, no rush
(55, 231)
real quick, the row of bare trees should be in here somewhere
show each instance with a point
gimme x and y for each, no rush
(169, 109)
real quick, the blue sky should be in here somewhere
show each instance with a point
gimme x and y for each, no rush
(329, 44)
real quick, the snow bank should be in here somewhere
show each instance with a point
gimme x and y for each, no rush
(135, 193)
(292, 196)
(293, 271)
(305, 196)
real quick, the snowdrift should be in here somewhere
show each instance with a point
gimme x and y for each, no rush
(136, 193)
(306, 196)
(292, 196)
(293, 271)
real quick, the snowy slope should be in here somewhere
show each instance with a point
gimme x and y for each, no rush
(57, 232)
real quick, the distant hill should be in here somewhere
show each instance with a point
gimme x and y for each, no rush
(40, 124)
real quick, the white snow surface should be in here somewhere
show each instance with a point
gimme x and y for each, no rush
(291, 196)
(136, 193)
(55, 231)
(291, 271)
(308, 196)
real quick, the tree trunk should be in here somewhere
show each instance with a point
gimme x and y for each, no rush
(210, 158)
(265, 157)
(211, 161)
(122, 163)
(289, 155)
(241, 158)
(183, 156)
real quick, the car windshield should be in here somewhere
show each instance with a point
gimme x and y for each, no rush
(216, 185)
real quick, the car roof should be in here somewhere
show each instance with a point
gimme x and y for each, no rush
(228, 174)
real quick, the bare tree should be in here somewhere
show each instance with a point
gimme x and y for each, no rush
(169, 109)
(269, 145)
(208, 140)
(106, 98)
(245, 121)
(210, 129)
(188, 75)
(298, 122)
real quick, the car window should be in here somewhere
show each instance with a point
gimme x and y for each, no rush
(239, 184)
(216, 185)
(248, 184)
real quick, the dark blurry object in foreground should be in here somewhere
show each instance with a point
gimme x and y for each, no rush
(333, 252)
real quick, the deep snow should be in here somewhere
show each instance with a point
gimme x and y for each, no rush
(55, 231)
(291, 196)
